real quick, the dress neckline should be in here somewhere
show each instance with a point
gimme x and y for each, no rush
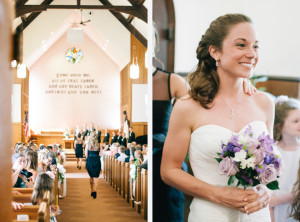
(215, 125)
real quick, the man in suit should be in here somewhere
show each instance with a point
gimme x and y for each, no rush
(85, 131)
(98, 135)
(119, 137)
(124, 140)
(106, 137)
(114, 138)
(131, 135)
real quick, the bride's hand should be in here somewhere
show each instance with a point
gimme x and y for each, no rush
(248, 87)
(261, 202)
(237, 198)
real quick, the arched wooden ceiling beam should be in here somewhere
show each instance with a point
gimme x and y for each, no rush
(127, 25)
(135, 10)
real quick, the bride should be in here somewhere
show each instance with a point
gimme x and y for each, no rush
(215, 109)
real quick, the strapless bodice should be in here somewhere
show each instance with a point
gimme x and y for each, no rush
(205, 143)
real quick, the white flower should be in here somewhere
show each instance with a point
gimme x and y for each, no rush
(240, 156)
(276, 152)
(251, 162)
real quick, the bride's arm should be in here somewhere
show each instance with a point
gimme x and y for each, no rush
(174, 152)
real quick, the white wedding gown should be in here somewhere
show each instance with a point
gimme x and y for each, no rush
(204, 145)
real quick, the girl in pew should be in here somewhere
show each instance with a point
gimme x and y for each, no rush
(45, 183)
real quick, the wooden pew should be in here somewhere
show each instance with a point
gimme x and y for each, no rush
(55, 190)
(122, 185)
(37, 213)
(144, 193)
(118, 175)
(104, 170)
(23, 198)
(127, 182)
(110, 170)
(23, 190)
(138, 186)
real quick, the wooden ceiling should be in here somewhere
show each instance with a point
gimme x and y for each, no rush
(28, 13)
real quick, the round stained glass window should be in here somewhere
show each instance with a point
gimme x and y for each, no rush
(74, 55)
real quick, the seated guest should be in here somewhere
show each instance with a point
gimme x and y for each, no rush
(44, 183)
(20, 177)
(114, 138)
(115, 150)
(31, 160)
(124, 140)
(138, 147)
(123, 157)
(144, 149)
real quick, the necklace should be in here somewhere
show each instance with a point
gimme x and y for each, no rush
(232, 116)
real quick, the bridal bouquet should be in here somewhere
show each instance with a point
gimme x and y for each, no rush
(250, 160)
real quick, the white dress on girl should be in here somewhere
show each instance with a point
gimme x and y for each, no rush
(290, 166)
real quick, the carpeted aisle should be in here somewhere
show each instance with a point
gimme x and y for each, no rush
(79, 206)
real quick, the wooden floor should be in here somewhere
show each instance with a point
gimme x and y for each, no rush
(79, 206)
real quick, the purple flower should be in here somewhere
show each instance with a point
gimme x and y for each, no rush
(228, 167)
(249, 131)
(260, 155)
(268, 159)
(260, 168)
(234, 140)
(269, 175)
(236, 149)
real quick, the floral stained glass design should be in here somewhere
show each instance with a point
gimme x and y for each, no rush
(74, 55)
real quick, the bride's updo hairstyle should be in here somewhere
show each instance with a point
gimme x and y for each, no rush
(204, 82)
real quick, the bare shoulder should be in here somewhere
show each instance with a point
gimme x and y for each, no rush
(263, 100)
(187, 108)
(178, 86)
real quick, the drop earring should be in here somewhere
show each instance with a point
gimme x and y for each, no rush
(217, 63)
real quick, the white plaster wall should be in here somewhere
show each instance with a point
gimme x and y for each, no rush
(277, 24)
(53, 111)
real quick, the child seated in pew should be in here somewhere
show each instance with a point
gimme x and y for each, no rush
(135, 161)
(45, 183)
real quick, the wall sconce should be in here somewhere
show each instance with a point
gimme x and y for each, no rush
(21, 71)
(134, 67)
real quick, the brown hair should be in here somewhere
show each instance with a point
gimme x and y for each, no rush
(295, 205)
(282, 109)
(204, 82)
(42, 184)
(31, 159)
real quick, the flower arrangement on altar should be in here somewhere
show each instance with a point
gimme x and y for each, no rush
(67, 133)
(250, 160)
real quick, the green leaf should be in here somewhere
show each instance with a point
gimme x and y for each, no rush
(219, 159)
(231, 180)
(219, 154)
(273, 185)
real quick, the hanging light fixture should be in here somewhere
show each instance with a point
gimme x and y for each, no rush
(134, 67)
(21, 71)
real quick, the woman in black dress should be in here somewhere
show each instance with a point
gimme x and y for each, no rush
(78, 150)
(93, 164)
